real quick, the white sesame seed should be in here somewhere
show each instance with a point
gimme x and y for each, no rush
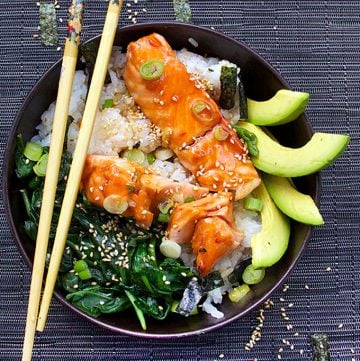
(328, 269)
(340, 325)
(306, 287)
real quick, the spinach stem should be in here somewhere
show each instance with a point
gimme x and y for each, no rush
(139, 313)
(26, 200)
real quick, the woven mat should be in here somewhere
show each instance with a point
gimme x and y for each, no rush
(316, 46)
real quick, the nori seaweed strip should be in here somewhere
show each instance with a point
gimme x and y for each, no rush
(89, 52)
(182, 11)
(320, 346)
(48, 24)
(228, 83)
(242, 99)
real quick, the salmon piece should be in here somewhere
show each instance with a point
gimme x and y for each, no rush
(161, 189)
(184, 216)
(138, 187)
(213, 239)
(221, 165)
(168, 102)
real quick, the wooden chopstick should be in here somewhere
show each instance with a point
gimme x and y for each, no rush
(79, 156)
(56, 146)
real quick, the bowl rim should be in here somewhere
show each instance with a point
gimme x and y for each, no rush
(151, 26)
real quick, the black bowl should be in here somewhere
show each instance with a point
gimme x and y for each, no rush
(261, 82)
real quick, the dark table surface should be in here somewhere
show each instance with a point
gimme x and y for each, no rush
(315, 45)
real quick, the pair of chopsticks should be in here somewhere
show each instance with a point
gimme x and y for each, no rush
(36, 319)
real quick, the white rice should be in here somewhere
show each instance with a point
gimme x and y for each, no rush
(124, 126)
(76, 108)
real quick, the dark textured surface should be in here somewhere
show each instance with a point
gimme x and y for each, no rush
(316, 46)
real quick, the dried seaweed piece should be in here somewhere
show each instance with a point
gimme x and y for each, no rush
(228, 82)
(182, 11)
(48, 24)
(89, 52)
(320, 346)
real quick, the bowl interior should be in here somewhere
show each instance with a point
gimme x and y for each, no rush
(261, 81)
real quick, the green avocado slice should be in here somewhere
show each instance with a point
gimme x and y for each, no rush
(319, 152)
(284, 107)
(291, 202)
(270, 244)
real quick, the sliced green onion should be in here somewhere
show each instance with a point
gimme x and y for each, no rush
(163, 218)
(40, 167)
(135, 155)
(198, 107)
(163, 153)
(165, 206)
(239, 292)
(115, 204)
(108, 103)
(80, 265)
(202, 110)
(253, 204)
(190, 199)
(85, 274)
(170, 249)
(252, 276)
(33, 151)
(220, 133)
(150, 158)
(152, 69)
(82, 269)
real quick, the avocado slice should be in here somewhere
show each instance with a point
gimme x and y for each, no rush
(270, 244)
(284, 107)
(290, 201)
(319, 152)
